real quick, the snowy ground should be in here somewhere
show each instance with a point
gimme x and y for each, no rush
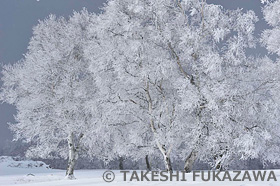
(30, 173)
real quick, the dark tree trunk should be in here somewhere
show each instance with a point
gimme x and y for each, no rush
(148, 163)
(190, 161)
(121, 163)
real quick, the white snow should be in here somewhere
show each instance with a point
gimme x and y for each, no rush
(10, 166)
(19, 173)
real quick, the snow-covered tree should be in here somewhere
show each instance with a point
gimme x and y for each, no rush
(267, 81)
(53, 90)
(145, 86)
(176, 62)
(254, 121)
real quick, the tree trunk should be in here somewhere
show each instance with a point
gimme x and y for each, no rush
(73, 155)
(71, 158)
(148, 163)
(167, 162)
(121, 163)
(219, 164)
(163, 150)
(166, 156)
(190, 161)
(70, 169)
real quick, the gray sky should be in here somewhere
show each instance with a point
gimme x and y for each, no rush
(17, 17)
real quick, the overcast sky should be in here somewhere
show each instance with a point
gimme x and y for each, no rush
(17, 17)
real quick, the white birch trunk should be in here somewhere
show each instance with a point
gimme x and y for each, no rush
(73, 155)
(218, 159)
(165, 152)
(168, 165)
(166, 156)
(167, 162)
